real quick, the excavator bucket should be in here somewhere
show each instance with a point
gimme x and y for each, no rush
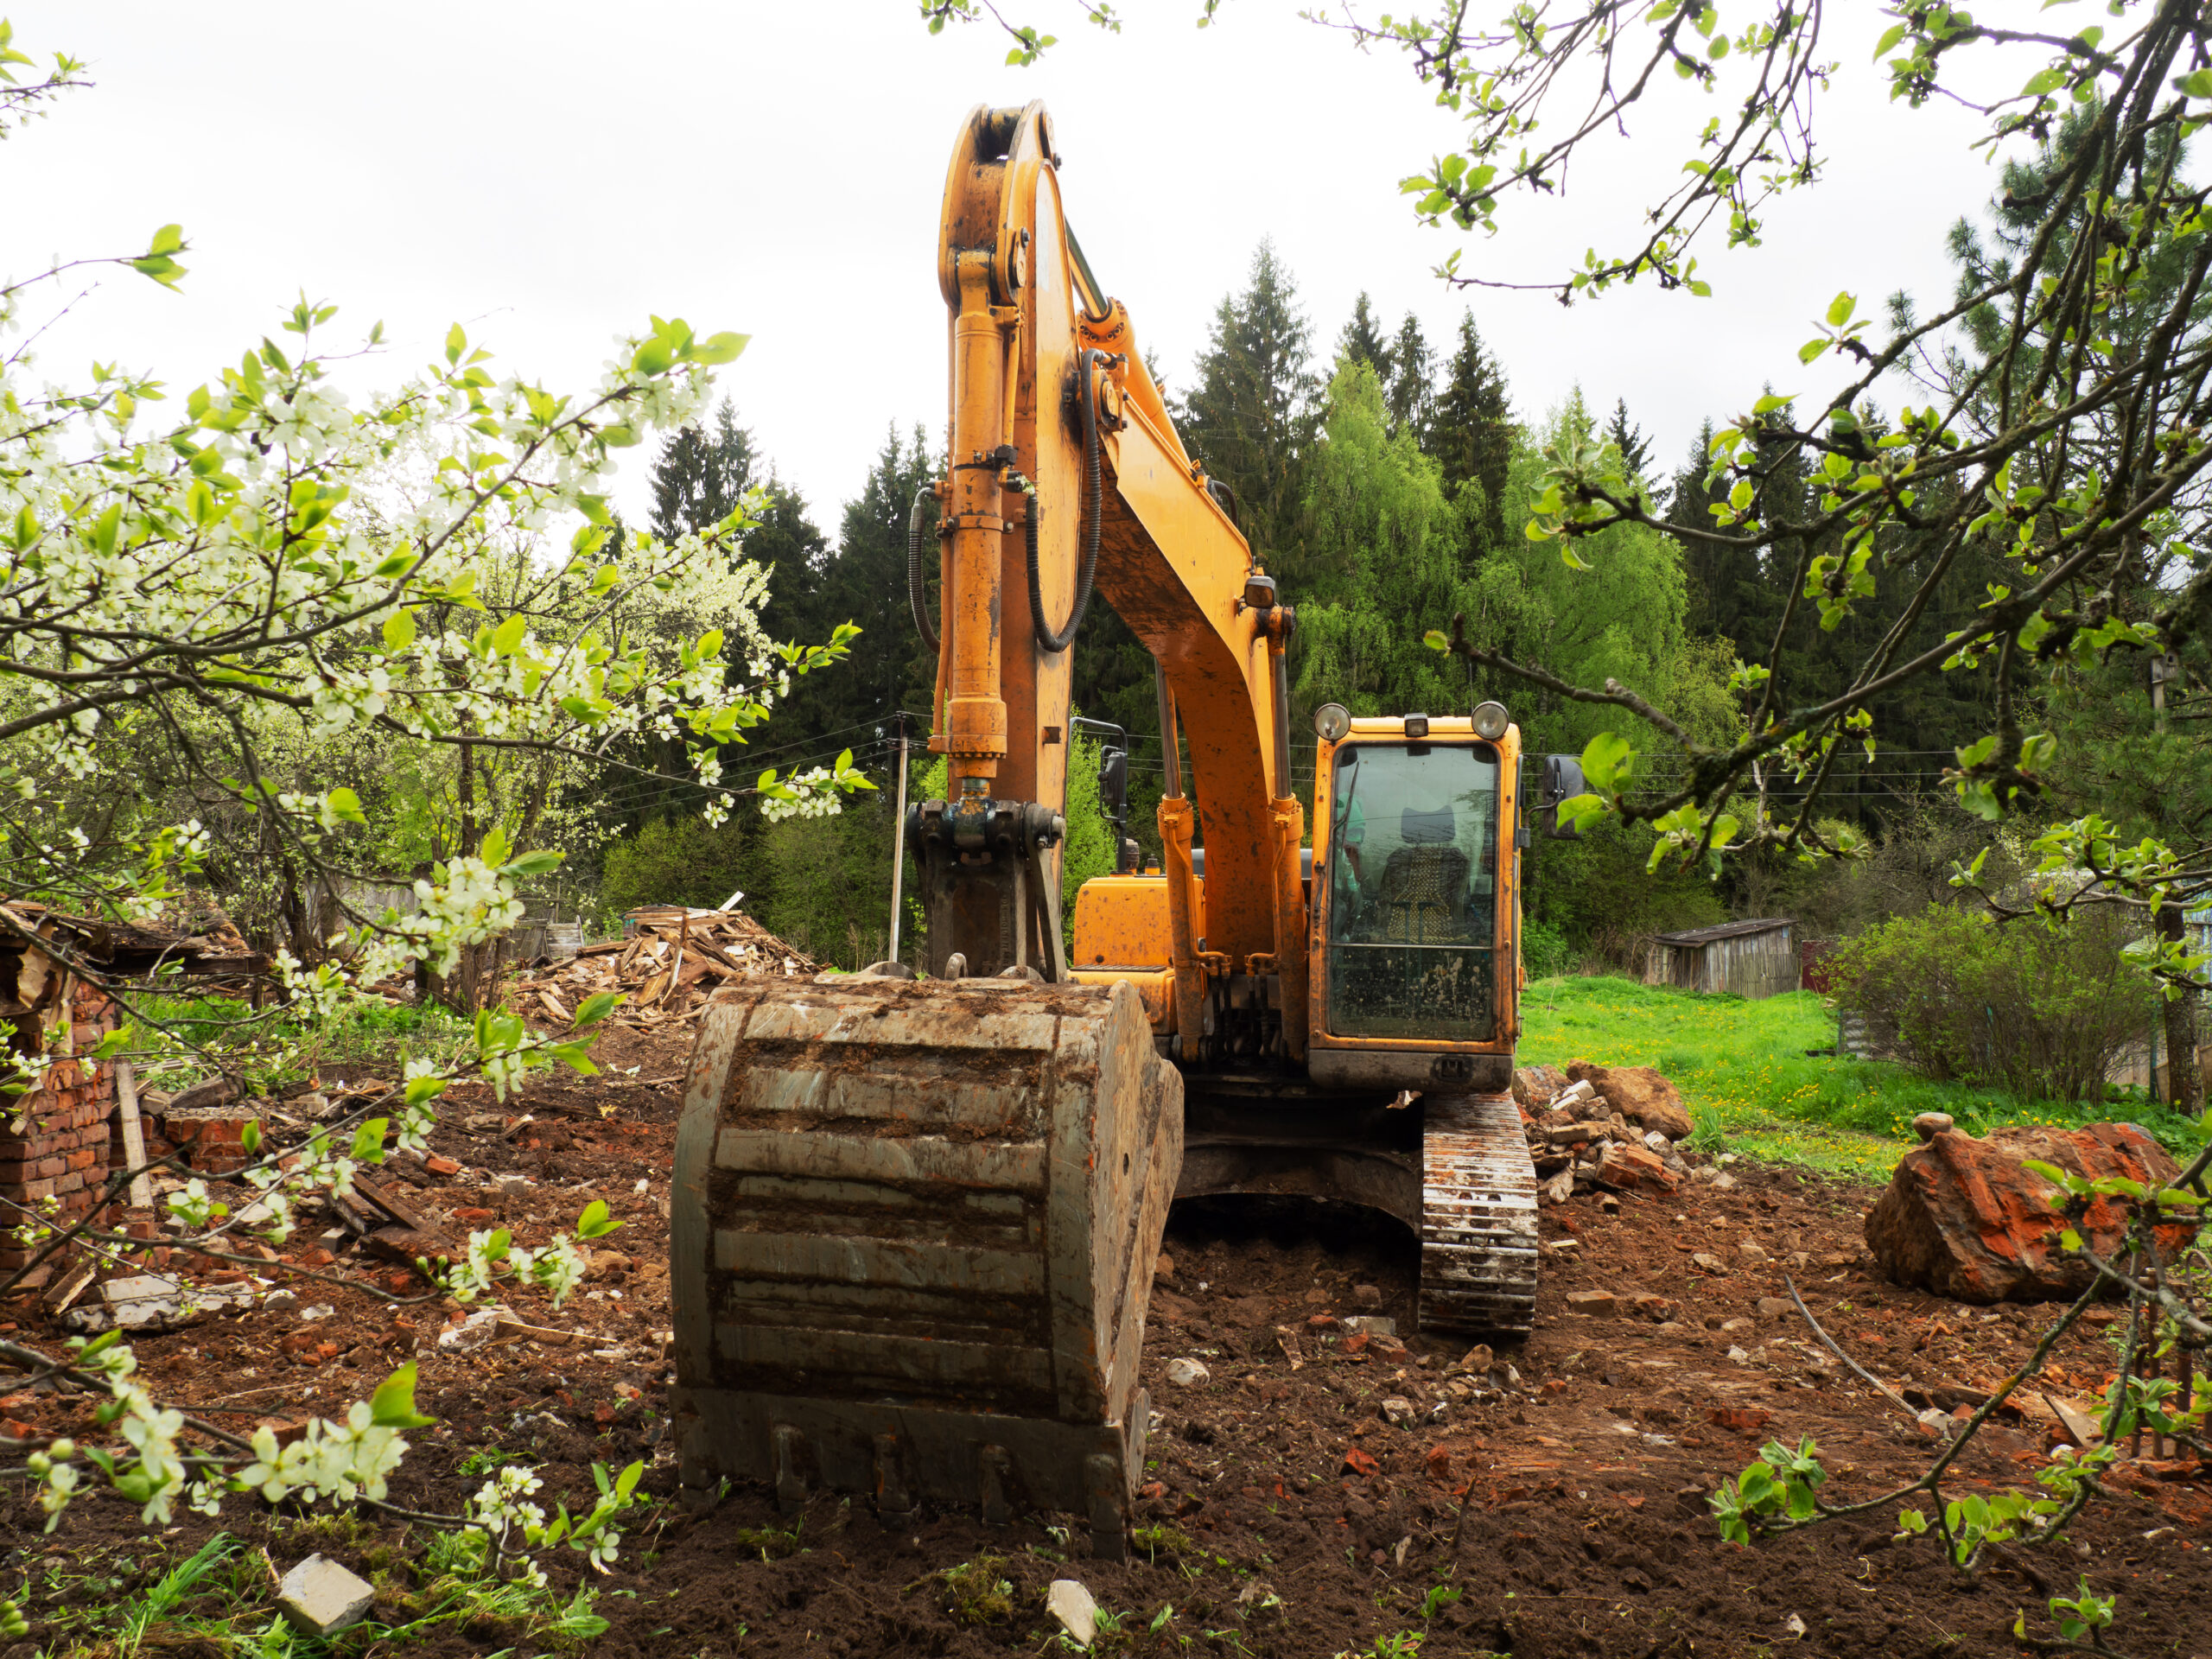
(912, 1238)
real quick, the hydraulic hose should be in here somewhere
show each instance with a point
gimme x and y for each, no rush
(917, 590)
(1046, 636)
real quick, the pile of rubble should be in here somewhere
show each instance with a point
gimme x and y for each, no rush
(1606, 1128)
(666, 971)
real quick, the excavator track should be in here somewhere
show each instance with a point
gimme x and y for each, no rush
(1478, 1217)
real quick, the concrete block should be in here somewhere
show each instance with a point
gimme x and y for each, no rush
(321, 1597)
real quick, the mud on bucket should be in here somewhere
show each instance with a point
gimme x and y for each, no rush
(911, 1244)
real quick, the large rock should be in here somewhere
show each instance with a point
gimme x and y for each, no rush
(1963, 1218)
(1638, 1093)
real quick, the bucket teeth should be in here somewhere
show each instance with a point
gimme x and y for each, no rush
(1478, 1217)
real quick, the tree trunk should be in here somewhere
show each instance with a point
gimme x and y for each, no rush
(2185, 1082)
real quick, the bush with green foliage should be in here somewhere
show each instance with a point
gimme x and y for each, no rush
(673, 861)
(2042, 1009)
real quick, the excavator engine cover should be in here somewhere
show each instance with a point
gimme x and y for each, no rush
(911, 1243)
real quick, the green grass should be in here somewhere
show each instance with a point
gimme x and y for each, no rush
(1752, 1088)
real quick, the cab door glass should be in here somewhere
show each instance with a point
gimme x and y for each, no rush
(1412, 887)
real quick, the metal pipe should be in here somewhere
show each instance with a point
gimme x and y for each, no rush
(1278, 657)
(898, 841)
(1171, 753)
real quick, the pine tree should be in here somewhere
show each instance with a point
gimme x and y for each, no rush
(1362, 340)
(1635, 449)
(1250, 408)
(889, 668)
(1470, 432)
(1408, 395)
(700, 476)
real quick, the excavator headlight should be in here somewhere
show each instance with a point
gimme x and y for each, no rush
(1490, 721)
(1332, 720)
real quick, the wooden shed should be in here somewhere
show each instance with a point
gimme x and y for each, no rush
(1752, 959)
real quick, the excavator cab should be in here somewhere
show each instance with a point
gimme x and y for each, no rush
(1416, 936)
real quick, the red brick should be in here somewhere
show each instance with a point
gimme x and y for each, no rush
(87, 1158)
(72, 1182)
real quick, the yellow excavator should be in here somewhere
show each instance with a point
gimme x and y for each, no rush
(916, 1218)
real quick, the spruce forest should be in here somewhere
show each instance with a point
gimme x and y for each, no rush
(1385, 480)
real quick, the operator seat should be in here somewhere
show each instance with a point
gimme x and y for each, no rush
(1422, 897)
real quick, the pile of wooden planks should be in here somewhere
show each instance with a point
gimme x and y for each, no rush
(665, 972)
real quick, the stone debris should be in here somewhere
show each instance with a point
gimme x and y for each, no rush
(1965, 1219)
(471, 1333)
(1075, 1608)
(1187, 1373)
(149, 1303)
(1399, 1412)
(1372, 1324)
(1595, 1304)
(1609, 1129)
(321, 1597)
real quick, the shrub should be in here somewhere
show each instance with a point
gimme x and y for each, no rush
(2042, 1010)
(673, 861)
(1545, 952)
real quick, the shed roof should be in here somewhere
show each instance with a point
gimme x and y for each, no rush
(1726, 930)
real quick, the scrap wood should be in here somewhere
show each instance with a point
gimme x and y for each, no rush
(393, 1205)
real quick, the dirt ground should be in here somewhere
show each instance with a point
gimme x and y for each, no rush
(1560, 1510)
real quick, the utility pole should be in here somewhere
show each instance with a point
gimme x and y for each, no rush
(2165, 668)
(898, 841)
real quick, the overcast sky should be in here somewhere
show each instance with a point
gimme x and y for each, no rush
(548, 174)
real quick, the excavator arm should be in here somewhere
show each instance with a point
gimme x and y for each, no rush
(1065, 480)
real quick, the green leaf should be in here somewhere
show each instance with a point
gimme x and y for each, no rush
(1608, 761)
(1889, 40)
(2045, 80)
(2195, 83)
(167, 239)
(1811, 349)
(422, 1089)
(392, 1406)
(718, 348)
(399, 630)
(1435, 640)
(543, 862)
(576, 1058)
(250, 1137)
(595, 1222)
(456, 343)
(159, 266)
(508, 635)
(595, 1008)
(1839, 310)
(368, 1142)
(114, 1043)
(654, 357)
(395, 564)
(345, 803)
